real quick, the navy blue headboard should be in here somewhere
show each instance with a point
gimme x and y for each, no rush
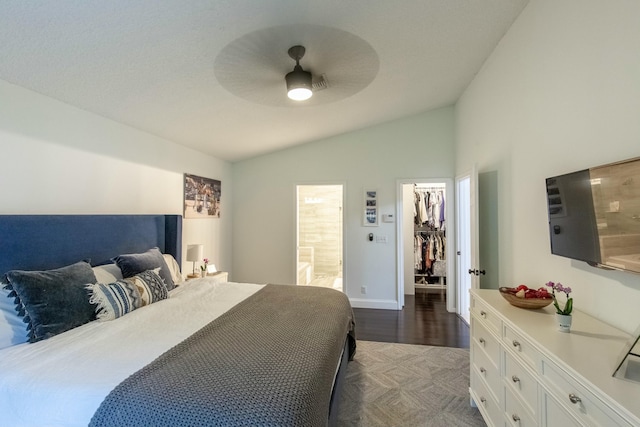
(39, 242)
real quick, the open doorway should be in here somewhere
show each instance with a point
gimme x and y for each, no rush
(319, 254)
(425, 230)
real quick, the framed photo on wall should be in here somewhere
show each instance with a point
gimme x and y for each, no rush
(370, 214)
(201, 197)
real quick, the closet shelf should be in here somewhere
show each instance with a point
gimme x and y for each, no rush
(430, 286)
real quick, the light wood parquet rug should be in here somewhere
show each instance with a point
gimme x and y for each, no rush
(390, 385)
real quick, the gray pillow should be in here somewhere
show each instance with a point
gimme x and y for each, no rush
(52, 301)
(132, 264)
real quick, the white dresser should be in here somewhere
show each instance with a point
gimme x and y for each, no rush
(524, 372)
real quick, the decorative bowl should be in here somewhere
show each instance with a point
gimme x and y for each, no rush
(530, 303)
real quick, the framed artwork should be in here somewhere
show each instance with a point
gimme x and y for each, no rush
(201, 197)
(370, 214)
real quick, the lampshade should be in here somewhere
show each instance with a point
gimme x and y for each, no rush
(299, 84)
(195, 252)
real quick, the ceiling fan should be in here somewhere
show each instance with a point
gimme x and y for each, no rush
(254, 66)
(300, 86)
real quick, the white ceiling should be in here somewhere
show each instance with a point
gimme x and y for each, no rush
(168, 66)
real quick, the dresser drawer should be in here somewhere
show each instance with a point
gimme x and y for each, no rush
(522, 383)
(487, 316)
(579, 401)
(485, 369)
(554, 414)
(486, 341)
(516, 413)
(490, 409)
(523, 348)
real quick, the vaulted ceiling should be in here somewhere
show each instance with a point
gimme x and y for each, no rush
(209, 74)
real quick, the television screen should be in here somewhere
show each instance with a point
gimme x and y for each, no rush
(594, 215)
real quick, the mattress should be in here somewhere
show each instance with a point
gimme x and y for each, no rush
(62, 381)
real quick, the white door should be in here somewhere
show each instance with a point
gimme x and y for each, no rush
(467, 240)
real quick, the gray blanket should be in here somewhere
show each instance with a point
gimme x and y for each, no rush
(269, 361)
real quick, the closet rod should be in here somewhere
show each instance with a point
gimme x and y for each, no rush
(429, 185)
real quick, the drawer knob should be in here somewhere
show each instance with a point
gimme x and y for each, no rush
(515, 417)
(483, 400)
(483, 313)
(516, 343)
(515, 379)
(481, 341)
(483, 371)
(574, 399)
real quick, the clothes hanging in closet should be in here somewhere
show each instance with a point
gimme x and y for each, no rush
(429, 249)
(429, 208)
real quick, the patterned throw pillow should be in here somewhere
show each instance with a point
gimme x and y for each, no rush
(52, 301)
(132, 264)
(115, 299)
(150, 286)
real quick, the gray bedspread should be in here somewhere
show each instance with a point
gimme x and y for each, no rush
(269, 361)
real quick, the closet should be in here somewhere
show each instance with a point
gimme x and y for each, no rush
(430, 240)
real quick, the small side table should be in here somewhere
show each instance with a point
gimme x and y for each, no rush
(219, 276)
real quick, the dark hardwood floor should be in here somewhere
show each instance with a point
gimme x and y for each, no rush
(424, 320)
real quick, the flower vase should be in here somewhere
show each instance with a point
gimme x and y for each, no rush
(203, 273)
(564, 322)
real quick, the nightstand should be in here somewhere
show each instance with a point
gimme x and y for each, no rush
(219, 276)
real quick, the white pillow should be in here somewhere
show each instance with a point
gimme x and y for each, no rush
(12, 329)
(107, 273)
(174, 268)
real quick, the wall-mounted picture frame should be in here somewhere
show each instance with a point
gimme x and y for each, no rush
(370, 214)
(201, 197)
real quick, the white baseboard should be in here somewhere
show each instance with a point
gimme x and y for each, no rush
(384, 304)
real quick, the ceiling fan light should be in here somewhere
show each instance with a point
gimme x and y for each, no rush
(299, 94)
(299, 84)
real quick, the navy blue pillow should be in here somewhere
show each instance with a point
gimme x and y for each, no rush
(132, 264)
(53, 301)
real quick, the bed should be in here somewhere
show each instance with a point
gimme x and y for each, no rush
(197, 353)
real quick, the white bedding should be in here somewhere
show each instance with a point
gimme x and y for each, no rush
(61, 381)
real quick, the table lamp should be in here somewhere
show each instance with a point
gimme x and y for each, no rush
(195, 253)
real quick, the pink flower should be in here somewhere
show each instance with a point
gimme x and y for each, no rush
(568, 307)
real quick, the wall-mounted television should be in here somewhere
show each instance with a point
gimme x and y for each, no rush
(594, 215)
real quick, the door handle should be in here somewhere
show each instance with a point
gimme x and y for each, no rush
(477, 272)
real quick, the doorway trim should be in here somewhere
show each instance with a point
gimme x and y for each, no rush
(451, 236)
(343, 184)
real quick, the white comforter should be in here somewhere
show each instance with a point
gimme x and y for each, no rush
(62, 381)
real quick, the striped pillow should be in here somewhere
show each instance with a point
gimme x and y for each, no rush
(115, 299)
(150, 286)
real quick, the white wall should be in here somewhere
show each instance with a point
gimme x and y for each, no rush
(419, 146)
(561, 92)
(58, 159)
